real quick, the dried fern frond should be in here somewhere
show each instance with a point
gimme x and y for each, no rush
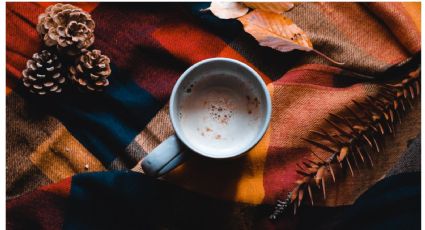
(352, 138)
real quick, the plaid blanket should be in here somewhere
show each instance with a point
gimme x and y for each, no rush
(50, 141)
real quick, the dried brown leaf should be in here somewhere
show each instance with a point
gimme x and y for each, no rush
(278, 32)
(228, 10)
(275, 31)
(275, 7)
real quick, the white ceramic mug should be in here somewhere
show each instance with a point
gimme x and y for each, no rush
(219, 107)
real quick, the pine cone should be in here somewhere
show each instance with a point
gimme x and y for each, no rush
(91, 70)
(68, 27)
(44, 74)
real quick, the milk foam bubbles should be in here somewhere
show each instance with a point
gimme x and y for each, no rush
(220, 116)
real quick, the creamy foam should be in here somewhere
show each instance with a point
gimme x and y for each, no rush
(220, 114)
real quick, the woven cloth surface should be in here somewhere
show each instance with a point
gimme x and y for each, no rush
(51, 140)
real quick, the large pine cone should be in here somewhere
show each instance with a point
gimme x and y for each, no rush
(91, 71)
(44, 74)
(68, 27)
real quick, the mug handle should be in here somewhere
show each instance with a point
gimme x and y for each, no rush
(165, 157)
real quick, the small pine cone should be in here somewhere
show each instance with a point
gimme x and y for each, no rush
(68, 27)
(44, 74)
(91, 71)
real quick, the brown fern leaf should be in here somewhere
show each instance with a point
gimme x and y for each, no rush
(358, 136)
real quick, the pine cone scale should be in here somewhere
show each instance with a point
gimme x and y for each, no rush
(43, 74)
(68, 27)
(91, 70)
(71, 31)
(94, 77)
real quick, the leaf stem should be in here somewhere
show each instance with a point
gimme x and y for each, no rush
(328, 58)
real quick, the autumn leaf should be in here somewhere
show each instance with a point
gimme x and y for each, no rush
(275, 31)
(278, 32)
(275, 7)
(228, 10)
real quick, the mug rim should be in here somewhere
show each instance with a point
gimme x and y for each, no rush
(267, 115)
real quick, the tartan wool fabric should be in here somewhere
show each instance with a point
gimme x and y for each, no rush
(57, 147)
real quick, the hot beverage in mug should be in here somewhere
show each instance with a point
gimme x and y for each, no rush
(220, 113)
(220, 108)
